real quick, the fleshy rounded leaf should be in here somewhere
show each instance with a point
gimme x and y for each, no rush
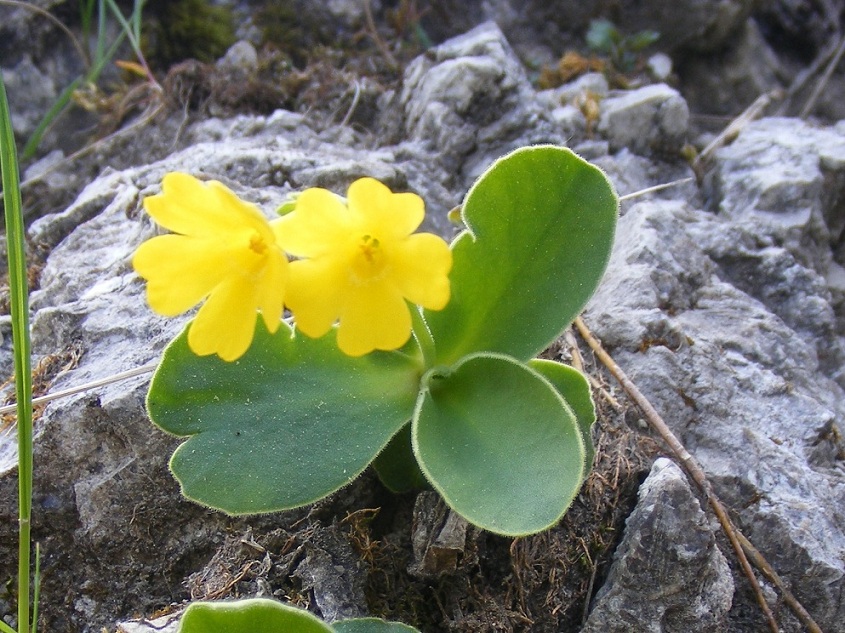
(573, 386)
(540, 223)
(257, 615)
(496, 439)
(291, 421)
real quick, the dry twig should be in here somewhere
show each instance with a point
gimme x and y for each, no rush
(802, 78)
(578, 363)
(733, 129)
(379, 42)
(743, 548)
(820, 86)
(130, 373)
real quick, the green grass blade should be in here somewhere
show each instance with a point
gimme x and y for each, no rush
(5, 628)
(102, 56)
(86, 13)
(136, 20)
(101, 32)
(19, 299)
(130, 28)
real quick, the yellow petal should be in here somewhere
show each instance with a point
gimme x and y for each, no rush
(316, 227)
(375, 316)
(225, 324)
(191, 207)
(271, 289)
(180, 271)
(315, 293)
(420, 266)
(386, 214)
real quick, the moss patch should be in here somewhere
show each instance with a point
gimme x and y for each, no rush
(176, 30)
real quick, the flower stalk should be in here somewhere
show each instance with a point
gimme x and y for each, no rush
(423, 337)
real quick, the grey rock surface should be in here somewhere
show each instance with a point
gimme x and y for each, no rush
(729, 82)
(471, 91)
(334, 575)
(651, 119)
(728, 326)
(588, 83)
(31, 93)
(781, 184)
(241, 60)
(668, 575)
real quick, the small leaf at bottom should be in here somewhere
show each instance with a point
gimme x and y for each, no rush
(499, 443)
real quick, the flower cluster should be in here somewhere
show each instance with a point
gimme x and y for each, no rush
(356, 264)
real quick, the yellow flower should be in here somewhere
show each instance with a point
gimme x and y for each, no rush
(225, 252)
(359, 263)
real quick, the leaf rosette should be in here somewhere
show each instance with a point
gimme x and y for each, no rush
(463, 407)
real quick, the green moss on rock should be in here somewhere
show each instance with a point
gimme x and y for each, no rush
(176, 30)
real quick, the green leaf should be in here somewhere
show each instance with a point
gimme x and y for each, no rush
(540, 229)
(573, 387)
(499, 443)
(257, 615)
(602, 36)
(372, 625)
(291, 421)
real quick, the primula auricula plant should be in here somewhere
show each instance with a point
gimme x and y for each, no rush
(402, 352)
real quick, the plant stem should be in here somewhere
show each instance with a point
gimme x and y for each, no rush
(19, 295)
(423, 336)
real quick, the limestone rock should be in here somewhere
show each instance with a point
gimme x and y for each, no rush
(589, 83)
(651, 119)
(468, 91)
(668, 575)
(783, 184)
(240, 61)
(334, 575)
(729, 81)
(726, 324)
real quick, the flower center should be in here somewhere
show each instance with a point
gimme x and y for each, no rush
(369, 260)
(257, 244)
(369, 247)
